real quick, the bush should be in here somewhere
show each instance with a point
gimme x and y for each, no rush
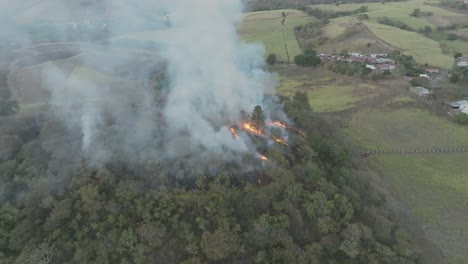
(452, 36)
(461, 118)
(271, 59)
(308, 58)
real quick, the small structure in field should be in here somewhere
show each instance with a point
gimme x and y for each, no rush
(462, 62)
(421, 91)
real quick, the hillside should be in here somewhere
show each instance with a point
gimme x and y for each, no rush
(431, 48)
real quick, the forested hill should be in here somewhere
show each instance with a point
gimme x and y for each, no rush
(304, 206)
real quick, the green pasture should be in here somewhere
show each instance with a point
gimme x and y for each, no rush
(274, 31)
(326, 94)
(423, 49)
(405, 128)
(435, 189)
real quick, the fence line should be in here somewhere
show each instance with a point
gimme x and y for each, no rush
(414, 151)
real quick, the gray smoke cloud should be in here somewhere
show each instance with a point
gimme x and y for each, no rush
(105, 91)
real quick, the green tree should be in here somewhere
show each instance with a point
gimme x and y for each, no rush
(271, 59)
(362, 17)
(307, 58)
(351, 240)
(220, 244)
(452, 36)
(454, 78)
(457, 55)
(258, 117)
(416, 12)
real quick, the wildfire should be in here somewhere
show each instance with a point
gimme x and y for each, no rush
(279, 124)
(280, 141)
(283, 125)
(234, 132)
(251, 129)
(260, 156)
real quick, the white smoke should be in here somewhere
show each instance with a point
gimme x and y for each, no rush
(214, 74)
(212, 77)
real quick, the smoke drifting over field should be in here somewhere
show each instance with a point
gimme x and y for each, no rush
(212, 76)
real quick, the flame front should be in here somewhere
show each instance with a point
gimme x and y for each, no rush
(234, 132)
(280, 141)
(251, 129)
(283, 125)
(279, 124)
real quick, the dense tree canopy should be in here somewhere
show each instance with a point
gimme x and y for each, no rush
(305, 205)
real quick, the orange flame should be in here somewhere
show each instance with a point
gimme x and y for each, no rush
(283, 125)
(279, 124)
(251, 129)
(280, 141)
(260, 156)
(234, 132)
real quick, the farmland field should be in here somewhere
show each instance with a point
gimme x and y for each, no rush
(277, 36)
(423, 49)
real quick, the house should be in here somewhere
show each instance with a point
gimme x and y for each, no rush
(462, 62)
(432, 70)
(421, 91)
(386, 67)
(458, 105)
(372, 67)
(379, 55)
(324, 56)
(424, 76)
(465, 110)
(386, 60)
(355, 54)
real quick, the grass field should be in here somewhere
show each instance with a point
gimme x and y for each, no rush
(268, 28)
(94, 79)
(424, 50)
(326, 94)
(392, 9)
(434, 187)
(406, 128)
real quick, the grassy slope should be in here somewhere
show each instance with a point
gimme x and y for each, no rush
(266, 27)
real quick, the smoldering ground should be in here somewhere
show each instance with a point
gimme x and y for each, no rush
(210, 75)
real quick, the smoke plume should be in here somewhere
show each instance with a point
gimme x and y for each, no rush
(106, 90)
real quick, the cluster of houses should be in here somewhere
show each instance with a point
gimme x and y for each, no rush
(375, 62)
